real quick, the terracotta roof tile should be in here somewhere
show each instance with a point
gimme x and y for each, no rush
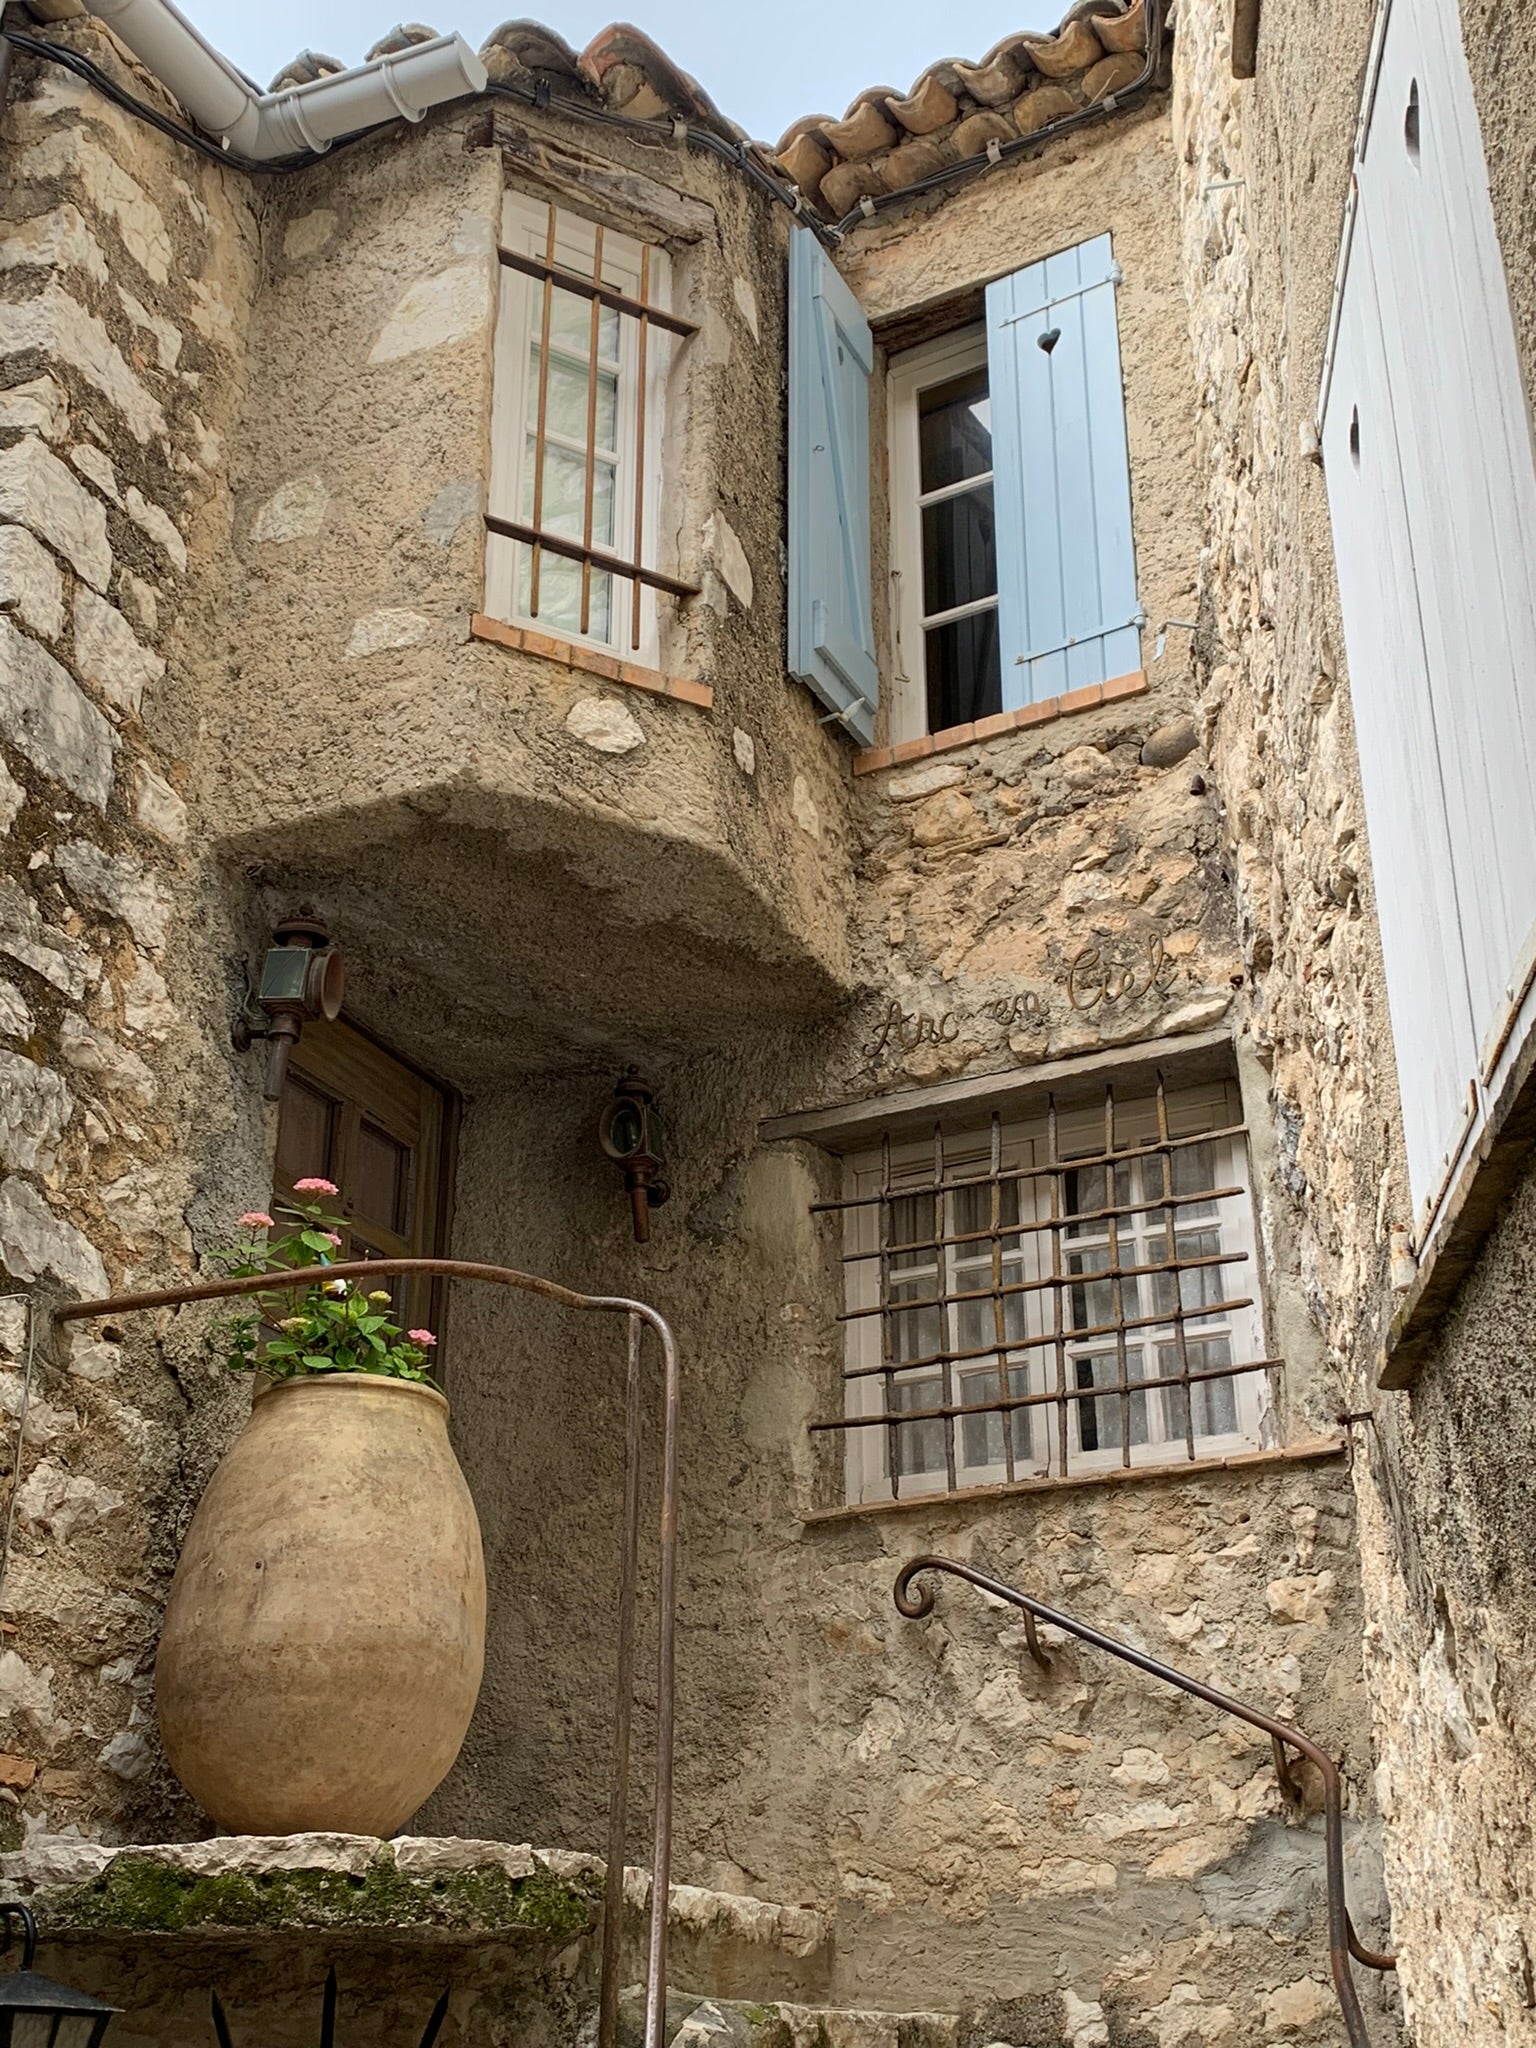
(888, 141)
(885, 142)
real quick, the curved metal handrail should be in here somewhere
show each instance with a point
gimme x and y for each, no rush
(1342, 1939)
(640, 1315)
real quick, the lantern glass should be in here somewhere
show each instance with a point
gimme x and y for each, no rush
(53, 2030)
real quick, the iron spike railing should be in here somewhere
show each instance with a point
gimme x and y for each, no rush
(638, 1315)
(1343, 1942)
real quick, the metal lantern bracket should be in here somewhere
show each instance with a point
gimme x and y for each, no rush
(303, 979)
(629, 1131)
(638, 1317)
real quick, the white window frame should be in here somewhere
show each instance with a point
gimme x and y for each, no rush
(1212, 1105)
(514, 410)
(911, 373)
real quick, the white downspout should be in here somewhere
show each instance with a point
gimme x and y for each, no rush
(263, 126)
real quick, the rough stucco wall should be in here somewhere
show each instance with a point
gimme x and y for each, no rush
(461, 785)
(127, 268)
(1444, 1489)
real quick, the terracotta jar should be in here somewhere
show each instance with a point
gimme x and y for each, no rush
(325, 1635)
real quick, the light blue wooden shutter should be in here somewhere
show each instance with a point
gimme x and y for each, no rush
(831, 618)
(1068, 614)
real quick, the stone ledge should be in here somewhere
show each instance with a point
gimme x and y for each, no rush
(869, 760)
(422, 1887)
(569, 655)
(1311, 1451)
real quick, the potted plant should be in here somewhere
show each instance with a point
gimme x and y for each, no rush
(324, 1640)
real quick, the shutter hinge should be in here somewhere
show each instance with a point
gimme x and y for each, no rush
(1113, 275)
(845, 715)
(1137, 618)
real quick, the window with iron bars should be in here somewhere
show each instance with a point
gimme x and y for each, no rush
(1065, 1294)
(584, 338)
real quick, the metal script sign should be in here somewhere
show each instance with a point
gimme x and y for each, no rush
(1099, 977)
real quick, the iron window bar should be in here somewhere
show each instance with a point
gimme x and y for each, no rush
(1074, 1164)
(915, 1602)
(1138, 1355)
(585, 288)
(1008, 1287)
(639, 1317)
(534, 534)
(1005, 1404)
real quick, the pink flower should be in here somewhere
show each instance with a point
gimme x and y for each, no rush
(331, 1234)
(315, 1186)
(257, 1219)
(423, 1337)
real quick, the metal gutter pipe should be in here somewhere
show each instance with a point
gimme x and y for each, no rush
(304, 118)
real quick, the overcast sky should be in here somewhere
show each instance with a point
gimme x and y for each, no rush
(764, 66)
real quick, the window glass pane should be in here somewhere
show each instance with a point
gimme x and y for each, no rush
(1215, 1400)
(1199, 1288)
(1088, 1193)
(570, 323)
(1100, 1422)
(959, 551)
(954, 431)
(565, 494)
(963, 671)
(305, 1133)
(919, 1445)
(981, 1436)
(560, 594)
(1098, 1302)
(565, 401)
(1194, 1172)
(381, 1178)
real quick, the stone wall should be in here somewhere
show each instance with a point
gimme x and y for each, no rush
(127, 270)
(1443, 1483)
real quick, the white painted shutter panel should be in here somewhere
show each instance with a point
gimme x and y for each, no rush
(1470, 482)
(1434, 514)
(831, 615)
(1068, 614)
(1395, 733)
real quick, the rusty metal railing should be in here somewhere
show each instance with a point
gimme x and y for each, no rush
(638, 1316)
(1343, 1942)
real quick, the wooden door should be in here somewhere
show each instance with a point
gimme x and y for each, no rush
(354, 1114)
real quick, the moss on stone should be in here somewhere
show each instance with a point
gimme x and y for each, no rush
(140, 1896)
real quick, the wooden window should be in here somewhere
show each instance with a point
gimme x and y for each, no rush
(1068, 1293)
(1013, 570)
(944, 535)
(354, 1114)
(583, 341)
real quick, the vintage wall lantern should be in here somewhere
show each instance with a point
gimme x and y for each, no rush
(629, 1131)
(303, 978)
(37, 2013)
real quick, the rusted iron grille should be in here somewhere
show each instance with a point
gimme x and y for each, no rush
(584, 432)
(1048, 1308)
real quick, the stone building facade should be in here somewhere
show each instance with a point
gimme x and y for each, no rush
(254, 659)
